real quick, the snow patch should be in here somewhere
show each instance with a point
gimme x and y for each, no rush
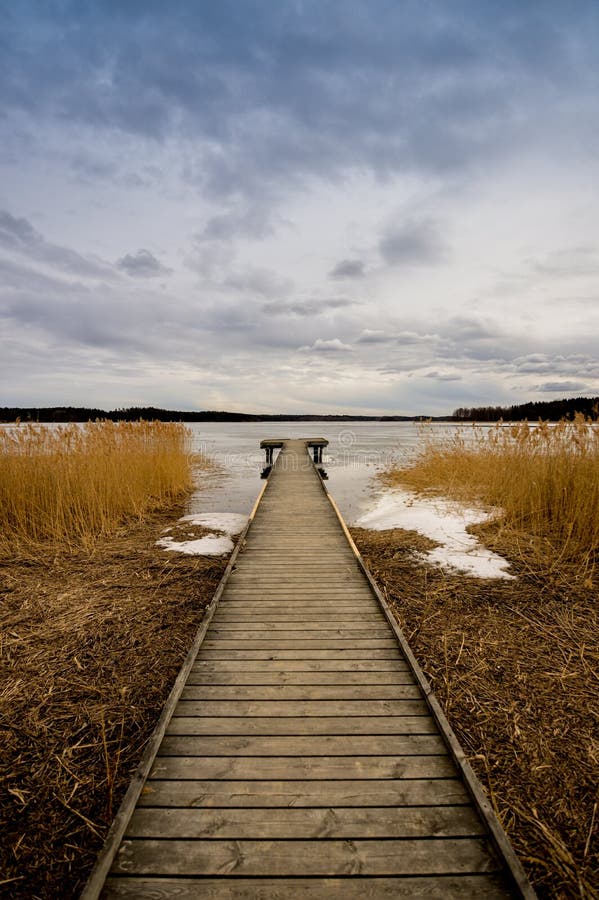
(230, 523)
(443, 521)
(210, 544)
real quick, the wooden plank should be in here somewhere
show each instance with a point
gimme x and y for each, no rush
(284, 708)
(323, 794)
(212, 676)
(268, 664)
(301, 692)
(309, 592)
(305, 858)
(280, 644)
(310, 631)
(304, 725)
(463, 887)
(329, 654)
(290, 824)
(285, 768)
(327, 745)
(293, 621)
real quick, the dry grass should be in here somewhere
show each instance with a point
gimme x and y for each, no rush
(517, 672)
(544, 477)
(73, 483)
(90, 646)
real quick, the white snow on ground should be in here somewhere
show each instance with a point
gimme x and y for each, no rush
(442, 521)
(230, 523)
(210, 544)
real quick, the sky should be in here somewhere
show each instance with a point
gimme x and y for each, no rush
(351, 206)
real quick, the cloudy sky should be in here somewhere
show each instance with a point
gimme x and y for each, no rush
(369, 206)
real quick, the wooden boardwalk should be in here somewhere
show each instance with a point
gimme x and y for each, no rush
(301, 756)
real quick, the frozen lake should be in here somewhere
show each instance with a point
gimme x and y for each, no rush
(356, 452)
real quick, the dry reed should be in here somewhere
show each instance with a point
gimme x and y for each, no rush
(545, 478)
(73, 483)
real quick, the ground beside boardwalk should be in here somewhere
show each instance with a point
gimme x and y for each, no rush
(515, 665)
(91, 644)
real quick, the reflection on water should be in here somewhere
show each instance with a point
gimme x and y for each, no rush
(356, 452)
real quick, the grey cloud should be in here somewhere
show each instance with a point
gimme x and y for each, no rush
(285, 92)
(20, 236)
(416, 242)
(373, 336)
(379, 336)
(348, 269)
(256, 221)
(333, 345)
(313, 307)
(142, 264)
(471, 328)
(414, 337)
(261, 282)
(532, 362)
(440, 376)
(17, 234)
(556, 387)
(576, 366)
(572, 262)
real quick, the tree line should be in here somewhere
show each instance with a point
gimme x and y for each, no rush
(548, 410)
(66, 414)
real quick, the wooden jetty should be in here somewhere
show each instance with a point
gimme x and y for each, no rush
(301, 753)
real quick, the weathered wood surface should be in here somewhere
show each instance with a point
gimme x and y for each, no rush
(301, 760)
(464, 887)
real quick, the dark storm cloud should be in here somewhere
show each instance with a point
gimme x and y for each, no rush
(271, 94)
(18, 235)
(412, 243)
(348, 269)
(142, 264)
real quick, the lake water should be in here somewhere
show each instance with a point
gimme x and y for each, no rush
(356, 452)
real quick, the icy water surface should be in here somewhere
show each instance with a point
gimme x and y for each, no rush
(356, 452)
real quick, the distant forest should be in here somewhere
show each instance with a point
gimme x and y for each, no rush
(548, 410)
(551, 410)
(64, 414)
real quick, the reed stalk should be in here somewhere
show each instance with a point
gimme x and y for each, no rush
(544, 477)
(72, 484)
